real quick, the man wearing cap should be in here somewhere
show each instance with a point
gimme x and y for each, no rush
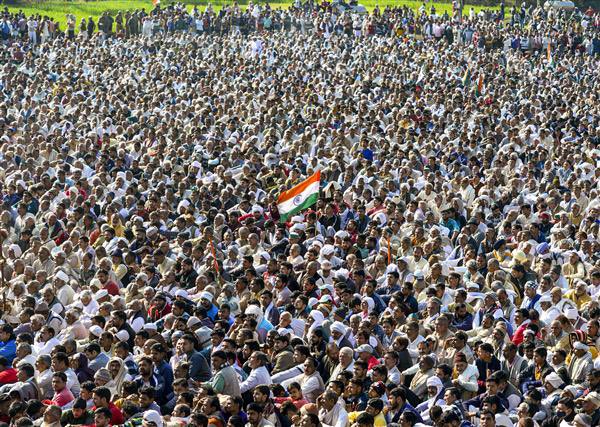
(159, 307)
(548, 311)
(365, 353)
(532, 297)
(581, 363)
(590, 406)
(552, 383)
(64, 292)
(120, 321)
(435, 394)
(151, 418)
(338, 333)
(206, 300)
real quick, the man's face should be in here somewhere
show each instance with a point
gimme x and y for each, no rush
(253, 417)
(483, 354)
(98, 401)
(57, 366)
(491, 387)
(105, 341)
(487, 420)
(372, 411)
(529, 353)
(57, 384)
(328, 404)
(156, 356)
(594, 380)
(217, 362)
(279, 345)
(145, 401)
(432, 391)
(556, 329)
(449, 398)
(101, 420)
(359, 371)
(441, 325)
(145, 367)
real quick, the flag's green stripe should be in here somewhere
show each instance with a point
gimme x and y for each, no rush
(310, 200)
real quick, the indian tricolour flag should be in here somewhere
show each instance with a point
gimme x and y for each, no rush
(300, 197)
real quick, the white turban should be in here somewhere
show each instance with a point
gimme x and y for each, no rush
(318, 318)
(16, 250)
(554, 379)
(338, 327)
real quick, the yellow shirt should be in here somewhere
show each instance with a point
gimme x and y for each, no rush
(579, 301)
(379, 419)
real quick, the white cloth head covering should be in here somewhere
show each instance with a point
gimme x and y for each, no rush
(318, 318)
(256, 312)
(370, 303)
(338, 327)
(554, 379)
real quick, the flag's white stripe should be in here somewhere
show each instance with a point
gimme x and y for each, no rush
(287, 205)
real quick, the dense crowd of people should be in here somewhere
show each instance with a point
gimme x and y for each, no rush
(447, 274)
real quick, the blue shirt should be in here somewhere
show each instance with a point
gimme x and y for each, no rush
(451, 224)
(8, 350)
(164, 371)
(212, 313)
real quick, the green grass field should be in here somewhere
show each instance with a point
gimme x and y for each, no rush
(83, 9)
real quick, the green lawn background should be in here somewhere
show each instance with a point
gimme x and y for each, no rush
(84, 9)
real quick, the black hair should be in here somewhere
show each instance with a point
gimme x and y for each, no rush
(27, 369)
(256, 407)
(34, 406)
(79, 403)
(88, 386)
(103, 392)
(199, 419)
(60, 375)
(103, 411)
(8, 329)
(148, 391)
(365, 418)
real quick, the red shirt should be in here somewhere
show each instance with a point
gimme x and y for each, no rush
(63, 397)
(8, 376)
(518, 337)
(112, 288)
(116, 417)
(156, 314)
(372, 363)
